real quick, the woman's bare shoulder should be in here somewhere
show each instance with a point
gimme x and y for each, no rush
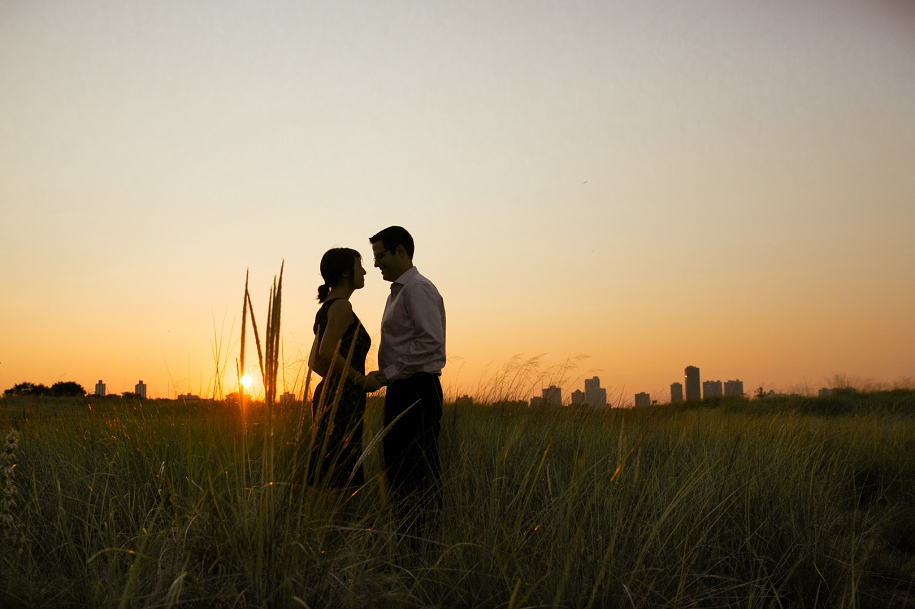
(339, 309)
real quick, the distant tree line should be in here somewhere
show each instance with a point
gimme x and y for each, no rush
(63, 389)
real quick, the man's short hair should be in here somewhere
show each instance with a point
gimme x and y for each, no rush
(393, 236)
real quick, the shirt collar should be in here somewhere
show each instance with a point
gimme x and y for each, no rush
(406, 277)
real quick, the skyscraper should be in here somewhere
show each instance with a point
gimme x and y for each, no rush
(100, 388)
(711, 389)
(642, 399)
(552, 396)
(140, 389)
(578, 398)
(733, 389)
(693, 386)
(595, 395)
(676, 393)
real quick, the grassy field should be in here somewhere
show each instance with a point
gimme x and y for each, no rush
(795, 503)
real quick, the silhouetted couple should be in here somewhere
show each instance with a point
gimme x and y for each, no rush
(410, 360)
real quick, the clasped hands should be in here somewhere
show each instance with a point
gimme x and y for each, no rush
(375, 381)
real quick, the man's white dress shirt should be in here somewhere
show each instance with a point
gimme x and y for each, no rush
(412, 328)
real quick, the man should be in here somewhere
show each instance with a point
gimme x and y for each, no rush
(411, 357)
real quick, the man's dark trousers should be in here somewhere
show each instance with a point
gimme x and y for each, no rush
(411, 449)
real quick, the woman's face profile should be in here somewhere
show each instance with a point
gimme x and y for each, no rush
(358, 275)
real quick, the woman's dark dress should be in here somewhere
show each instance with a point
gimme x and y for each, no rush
(338, 444)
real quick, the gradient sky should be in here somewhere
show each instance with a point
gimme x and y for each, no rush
(650, 184)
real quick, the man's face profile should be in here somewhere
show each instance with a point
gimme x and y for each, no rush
(392, 264)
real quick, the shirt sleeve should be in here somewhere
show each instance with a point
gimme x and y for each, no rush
(426, 311)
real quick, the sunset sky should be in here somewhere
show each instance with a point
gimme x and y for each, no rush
(649, 184)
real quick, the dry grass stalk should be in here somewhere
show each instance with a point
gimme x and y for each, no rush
(305, 407)
(220, 359)
(272, 339)
(257, 338)
(10, 526)
(241, 355)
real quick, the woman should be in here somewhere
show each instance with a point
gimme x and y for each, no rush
(338, 356)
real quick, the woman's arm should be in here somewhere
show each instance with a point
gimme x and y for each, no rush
(314, 362)
(327, 356)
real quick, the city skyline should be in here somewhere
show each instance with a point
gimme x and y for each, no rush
(549, 396)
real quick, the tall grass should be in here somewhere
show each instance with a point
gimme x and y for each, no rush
(149, 503)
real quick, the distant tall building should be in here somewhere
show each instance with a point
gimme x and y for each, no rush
(711, 389)
(100, 388)
(733, 389)
(595, 395)
(693, 386)
(552, 396)
(287, 398)
(642, 399)
(536, 401)
(676, 393)
(578, 398)
(140, 389)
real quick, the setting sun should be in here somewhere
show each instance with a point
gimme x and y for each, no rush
(246, 381)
